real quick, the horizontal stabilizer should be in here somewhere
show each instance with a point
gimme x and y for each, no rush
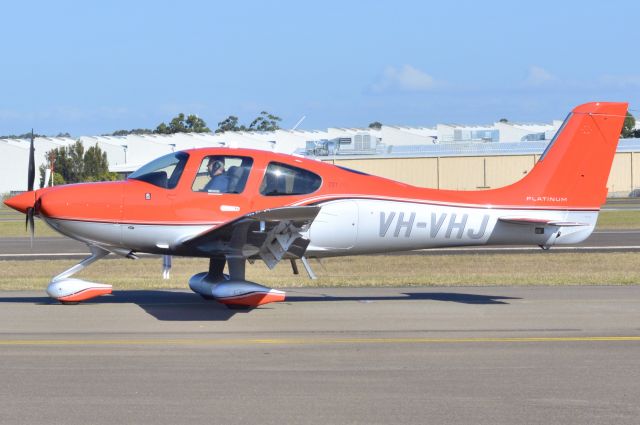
(540, 221)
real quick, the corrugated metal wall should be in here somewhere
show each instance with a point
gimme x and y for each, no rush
(483, 172)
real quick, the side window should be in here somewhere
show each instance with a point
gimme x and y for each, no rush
(222, 174)
(282, 179)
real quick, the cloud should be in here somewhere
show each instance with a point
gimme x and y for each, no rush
(405, 79)
(539, 76)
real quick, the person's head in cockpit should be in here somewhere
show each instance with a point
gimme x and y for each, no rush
(219, 181)
(215, 167)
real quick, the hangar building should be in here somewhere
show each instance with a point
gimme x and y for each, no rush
(447, 156)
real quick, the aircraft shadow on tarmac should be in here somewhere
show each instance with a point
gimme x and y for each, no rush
(186, 306)
(411, 296)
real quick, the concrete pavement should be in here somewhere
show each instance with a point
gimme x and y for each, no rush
(495, 355)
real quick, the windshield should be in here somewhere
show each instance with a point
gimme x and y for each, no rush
(162, 172)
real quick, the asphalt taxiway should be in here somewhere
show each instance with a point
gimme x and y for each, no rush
(482, 355)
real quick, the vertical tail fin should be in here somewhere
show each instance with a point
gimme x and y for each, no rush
(573, 170)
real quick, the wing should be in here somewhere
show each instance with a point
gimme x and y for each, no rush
(540, 221)
(269, 234)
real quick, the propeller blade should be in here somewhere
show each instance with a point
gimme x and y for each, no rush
(32, 165)
(26, 219)
(30, 224)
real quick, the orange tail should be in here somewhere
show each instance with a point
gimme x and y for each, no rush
(572, 173)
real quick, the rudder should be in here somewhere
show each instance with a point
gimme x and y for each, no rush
(573, 171)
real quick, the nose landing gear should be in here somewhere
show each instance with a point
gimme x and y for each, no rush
(68, 290)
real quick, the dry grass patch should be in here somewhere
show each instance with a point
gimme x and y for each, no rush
(618, 220)
(543, 268)
(12, 225)
(16, 229)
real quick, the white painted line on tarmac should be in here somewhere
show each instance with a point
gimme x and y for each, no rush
(527, 248)
(48, 254)
(616, 231)
(435, 250)
(60, 254)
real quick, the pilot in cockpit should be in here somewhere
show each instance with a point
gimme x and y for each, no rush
(219, 180)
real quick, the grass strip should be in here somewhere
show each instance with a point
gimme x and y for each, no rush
(618, 220)
(543, 268)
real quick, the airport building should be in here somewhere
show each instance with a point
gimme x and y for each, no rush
(447, 156)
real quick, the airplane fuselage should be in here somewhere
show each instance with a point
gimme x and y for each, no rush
(365, 226)
(361, 226)
(231, 205)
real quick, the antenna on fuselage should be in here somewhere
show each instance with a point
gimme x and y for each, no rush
(298, 123)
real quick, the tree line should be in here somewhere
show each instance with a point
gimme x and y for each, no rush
(72, 164)
(182, 123)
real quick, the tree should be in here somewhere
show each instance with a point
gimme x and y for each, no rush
(132, 131)
(22, 136)
(28, 135)
(96, 165)
(265, 122)
(73, 165)
(180, 124)
(628, 126)
(196, 124)
(504, 120)
(376, 125)
(230, 124)
(69, 162)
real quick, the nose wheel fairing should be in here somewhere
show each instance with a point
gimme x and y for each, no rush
(76, 290)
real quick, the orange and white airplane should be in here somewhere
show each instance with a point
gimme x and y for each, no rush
(234, 205)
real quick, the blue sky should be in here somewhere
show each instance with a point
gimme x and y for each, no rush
(72, 66)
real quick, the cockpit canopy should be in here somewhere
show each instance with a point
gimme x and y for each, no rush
(163, 172)
(228, 174)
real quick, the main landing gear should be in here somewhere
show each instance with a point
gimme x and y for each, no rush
(232, 290)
